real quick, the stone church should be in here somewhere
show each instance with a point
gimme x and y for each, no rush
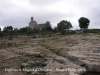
(33, 24)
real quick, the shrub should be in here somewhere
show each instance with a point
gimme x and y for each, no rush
(10, 38)
(10, 44)
(70, 32)
(93, 31)
(63, 32)
(34, 36)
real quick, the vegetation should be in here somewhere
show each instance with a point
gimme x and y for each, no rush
(2, 71)
(83, 23)
(93, 31)
(64, 32)
(48, 26)
(71, 32)
(8, 31)
(55, 30)
(9, 44)
(63, 25)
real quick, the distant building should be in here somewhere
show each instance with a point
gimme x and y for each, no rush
(33, 24)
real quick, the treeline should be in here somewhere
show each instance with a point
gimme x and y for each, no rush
(63, 27)
(93, 31)
(9, 31)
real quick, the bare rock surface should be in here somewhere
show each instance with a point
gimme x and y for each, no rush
(53, 53)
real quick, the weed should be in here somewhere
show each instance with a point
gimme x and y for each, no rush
(2, 71)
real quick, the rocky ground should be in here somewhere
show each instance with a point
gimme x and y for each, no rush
(54, 54)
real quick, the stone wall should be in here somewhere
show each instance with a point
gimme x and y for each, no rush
(33, 24)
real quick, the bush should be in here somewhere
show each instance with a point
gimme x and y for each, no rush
(1, 34)
(93, 31)
(9, 44)
(10, 38)
(34, 36)
(63, 32)
(70, 32)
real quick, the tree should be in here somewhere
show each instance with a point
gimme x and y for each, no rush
(1, 33)
(55, 29)
(83, 23)
(15, 31)
(0, 29)
(48, 26)
(23, 30)
(36, 30)
(8, 31)
(63, 25)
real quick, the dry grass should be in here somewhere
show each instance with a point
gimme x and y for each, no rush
(2, 71)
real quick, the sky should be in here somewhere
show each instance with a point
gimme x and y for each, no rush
(17, 13)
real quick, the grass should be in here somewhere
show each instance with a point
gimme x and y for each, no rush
(2, 71)
(98, 33)
(8, 45)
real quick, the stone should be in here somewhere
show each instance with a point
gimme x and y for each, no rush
(36, 54)
(96, 51)
(33, 24)
(78, 62)
(61, 60)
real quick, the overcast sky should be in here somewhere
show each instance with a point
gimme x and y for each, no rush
(18, 12)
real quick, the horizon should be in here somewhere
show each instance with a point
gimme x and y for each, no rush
(17, 13)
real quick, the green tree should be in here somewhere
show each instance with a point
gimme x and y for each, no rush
(1, 33)
(48, 26)
(23, 30)
(0, 29)
(36, 30)
(55, 29)
(8, 31)
(63, 25)
(15, 31)
(83, 23)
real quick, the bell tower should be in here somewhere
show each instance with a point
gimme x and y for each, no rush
(31, 19)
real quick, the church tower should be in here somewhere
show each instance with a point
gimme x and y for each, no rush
(31, 19)
(33, 24)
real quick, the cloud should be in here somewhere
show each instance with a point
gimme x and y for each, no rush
(18, 12)
(43, 2)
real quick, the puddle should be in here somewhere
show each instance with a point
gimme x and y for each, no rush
(78, 62)
(91, 73)
(96, 51)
